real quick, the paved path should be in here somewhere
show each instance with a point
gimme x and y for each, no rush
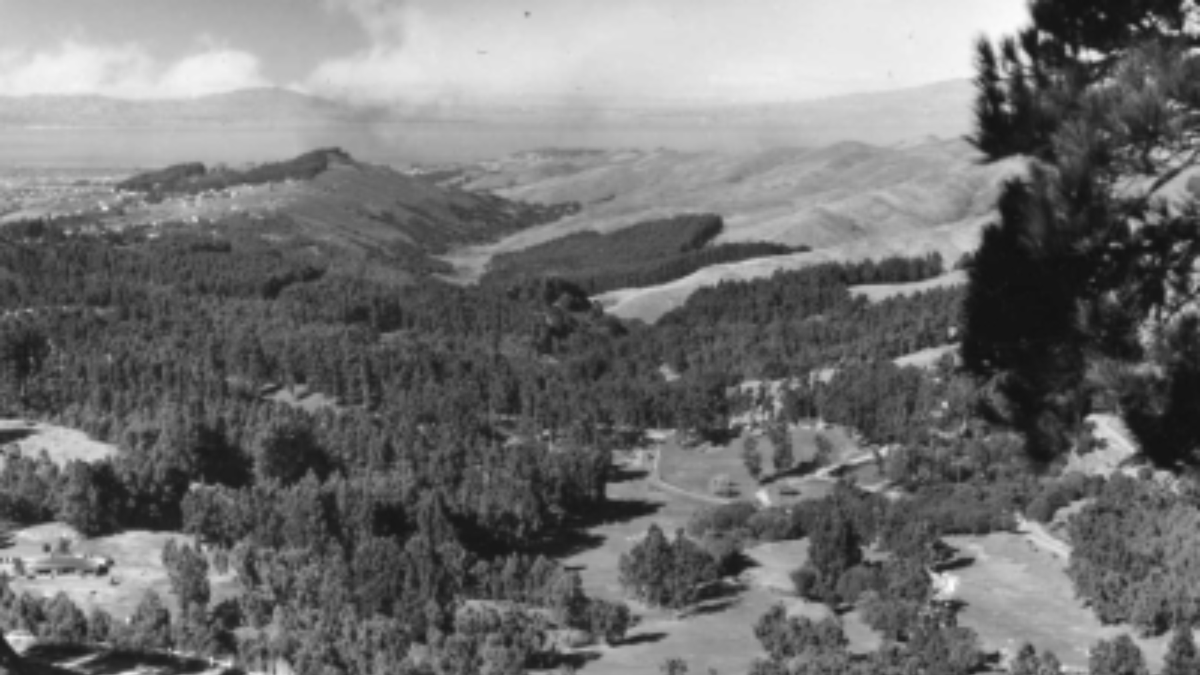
(1037, 534)
(657, 481)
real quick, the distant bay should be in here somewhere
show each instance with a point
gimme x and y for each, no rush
(393, 143)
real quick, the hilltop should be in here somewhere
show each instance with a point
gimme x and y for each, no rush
(325, 195)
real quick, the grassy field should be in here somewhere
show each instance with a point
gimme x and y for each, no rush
(137, 568)
(60, 443)
(720, 634)
(927, 358)
(693, 468)
(1015, 593)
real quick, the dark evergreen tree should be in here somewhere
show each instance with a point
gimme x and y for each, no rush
(1181, 658)
(1098, 97)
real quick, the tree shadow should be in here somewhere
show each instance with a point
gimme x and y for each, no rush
(13, 435)
(715, 606)
(119, 661)
(737, 563)
(576, 660)
(573, 537)
(720, 590)
(798, 470)
(641, 639)
(621, 474)
(617, 511)
(52, 653)
(955, 563)
(565, 543)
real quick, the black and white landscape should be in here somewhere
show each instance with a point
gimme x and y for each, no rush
(353, 337)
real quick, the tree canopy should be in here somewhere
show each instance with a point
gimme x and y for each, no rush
(1084, 278)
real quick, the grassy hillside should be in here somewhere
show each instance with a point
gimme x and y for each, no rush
(374, 212)
(849, 201)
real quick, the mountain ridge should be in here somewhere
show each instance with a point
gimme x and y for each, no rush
(943, 100)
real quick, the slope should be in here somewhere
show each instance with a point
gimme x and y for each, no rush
(848, 201)
(326, 195)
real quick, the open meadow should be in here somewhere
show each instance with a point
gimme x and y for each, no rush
(1015, 592)
(61, 444)
(137, 568)
(719, 634)
(692, 469)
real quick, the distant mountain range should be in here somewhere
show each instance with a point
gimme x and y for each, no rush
(884, 117)
(248, 107)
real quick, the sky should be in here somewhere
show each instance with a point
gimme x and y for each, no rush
(620, 52)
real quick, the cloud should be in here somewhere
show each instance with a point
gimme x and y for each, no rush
(383, 20)
(422, 54)
(126, 71)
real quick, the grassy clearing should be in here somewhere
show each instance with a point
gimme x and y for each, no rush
(1015, 593)
(60, 443)
(926, 358)
(138, 567)
(693, 468)
(720, 634)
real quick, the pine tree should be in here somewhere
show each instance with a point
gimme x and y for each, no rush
(751, 458)
(1119, 656)
(782, 456)
(1181, 658)
(1099, 97)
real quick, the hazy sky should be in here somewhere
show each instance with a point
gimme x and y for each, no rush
(419, 51)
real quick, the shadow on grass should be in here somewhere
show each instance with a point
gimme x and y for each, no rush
(641, 639)
(55, 653)
(715, 606)
(573, 537)
(799, 470)
(567, 542)
(13, 435)
(111, 663)
(576, 660)
(620, 474)
(737, 563)
(618, 511)
(956, 563)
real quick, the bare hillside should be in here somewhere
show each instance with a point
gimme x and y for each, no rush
(848, 201)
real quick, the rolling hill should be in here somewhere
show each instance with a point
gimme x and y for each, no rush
(848, 201)
(325, 196)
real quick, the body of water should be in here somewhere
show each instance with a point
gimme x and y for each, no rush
(397, 144)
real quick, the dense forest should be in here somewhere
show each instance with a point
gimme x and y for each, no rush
(467, 430)
(644, 254)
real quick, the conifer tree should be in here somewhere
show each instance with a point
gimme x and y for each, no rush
(751, 458)
(782, 456)
(1181, 658)
(1088, 256)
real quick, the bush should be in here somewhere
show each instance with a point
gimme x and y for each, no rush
(721, 519)
(610, 620)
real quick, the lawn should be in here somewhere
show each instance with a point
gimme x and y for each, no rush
(138, 567)
(60, 443)
(1015, 593)
(718, 635)
(693, 468)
